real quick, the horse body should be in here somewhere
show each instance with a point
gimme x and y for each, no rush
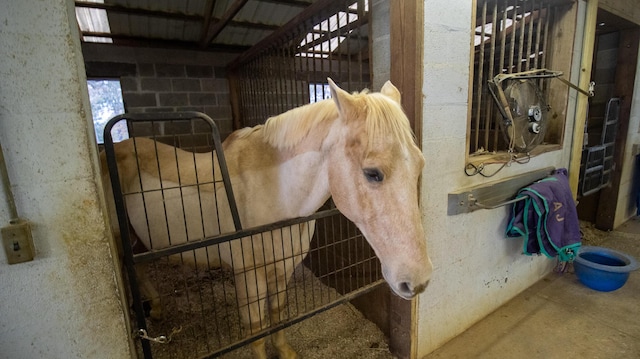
(357, 149)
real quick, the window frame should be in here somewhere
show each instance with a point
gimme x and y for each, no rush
(557, 56)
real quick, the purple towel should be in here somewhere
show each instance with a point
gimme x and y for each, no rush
(547, 218)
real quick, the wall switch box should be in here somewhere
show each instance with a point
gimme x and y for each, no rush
(18, 242)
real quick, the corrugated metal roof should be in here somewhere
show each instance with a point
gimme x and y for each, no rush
(182, 23)
(225, 25)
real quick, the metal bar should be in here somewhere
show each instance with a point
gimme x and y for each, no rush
(123, 223)
(225, 237)
(529, 36)
(13, 210)
(317, 8)
(512, 45)
(521, 39)
(488, 105)
(497, 205)
(480, 76)
(492, 193)
(541, 13)
(502, 27)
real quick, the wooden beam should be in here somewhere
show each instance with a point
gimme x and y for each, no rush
(626, 9)
(297, 3)
(582, 103)
(208, 16)
(406, 47)
(560, 49)
(406, 57)
(139, 11)
(128, 40)
(219, 26)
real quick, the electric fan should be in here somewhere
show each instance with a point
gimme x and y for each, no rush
(523, 108)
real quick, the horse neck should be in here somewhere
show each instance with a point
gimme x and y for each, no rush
(282, 182)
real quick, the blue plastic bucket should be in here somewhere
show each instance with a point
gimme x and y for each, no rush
(603, 269)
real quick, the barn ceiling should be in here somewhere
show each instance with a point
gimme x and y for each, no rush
(206, 25)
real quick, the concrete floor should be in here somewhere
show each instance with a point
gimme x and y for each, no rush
(560, 318)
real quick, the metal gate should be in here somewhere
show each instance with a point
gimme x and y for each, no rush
(201, 315)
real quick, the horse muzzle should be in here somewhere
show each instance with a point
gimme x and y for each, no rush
(407, 289)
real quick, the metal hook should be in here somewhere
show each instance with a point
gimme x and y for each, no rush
(142, 334)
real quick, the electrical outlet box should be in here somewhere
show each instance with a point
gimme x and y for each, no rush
(18, 242)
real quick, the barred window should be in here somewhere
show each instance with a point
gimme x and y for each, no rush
(511, 36)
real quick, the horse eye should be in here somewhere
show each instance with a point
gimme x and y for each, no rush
(373, 174)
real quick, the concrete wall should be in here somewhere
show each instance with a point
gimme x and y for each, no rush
(65, 303)
(476, 269)
(380, 38)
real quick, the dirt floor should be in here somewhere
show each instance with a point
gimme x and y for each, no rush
(201, 313)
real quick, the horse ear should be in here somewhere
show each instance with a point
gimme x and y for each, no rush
(391, 91)
(342, 99)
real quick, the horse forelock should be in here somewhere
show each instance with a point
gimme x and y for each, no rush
(385, 119)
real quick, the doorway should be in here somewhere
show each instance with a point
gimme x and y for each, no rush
(613, 70)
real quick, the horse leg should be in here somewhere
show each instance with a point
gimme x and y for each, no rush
(251, 289)
(297, 241)
(149, 291)
(277, 303)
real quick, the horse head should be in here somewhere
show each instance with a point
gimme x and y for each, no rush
(374, 168)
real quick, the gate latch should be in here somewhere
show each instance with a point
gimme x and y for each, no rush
(162, 339)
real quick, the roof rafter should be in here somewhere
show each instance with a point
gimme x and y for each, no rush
(158, 42)
(226, 18)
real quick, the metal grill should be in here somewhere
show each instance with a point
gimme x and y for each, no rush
(290, 68)
(511, 36)
(200, 304)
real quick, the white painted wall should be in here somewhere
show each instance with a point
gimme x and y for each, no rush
(476, 269)
(65, 303)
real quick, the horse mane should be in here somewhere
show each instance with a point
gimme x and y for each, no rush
(384, 118)
(290, 128)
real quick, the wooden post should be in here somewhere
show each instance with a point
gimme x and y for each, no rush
(406, 57)
(582, 102)
(406, 47)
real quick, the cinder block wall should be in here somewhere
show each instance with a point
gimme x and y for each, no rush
(156, 80)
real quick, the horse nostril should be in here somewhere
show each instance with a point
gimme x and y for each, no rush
(408, 290)
(405, 288)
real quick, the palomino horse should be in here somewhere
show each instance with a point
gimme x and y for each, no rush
(356, 148)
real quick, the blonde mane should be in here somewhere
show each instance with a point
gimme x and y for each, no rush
(287, 130)
(384, 118)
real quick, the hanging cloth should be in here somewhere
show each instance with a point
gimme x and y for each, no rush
(547, 218)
